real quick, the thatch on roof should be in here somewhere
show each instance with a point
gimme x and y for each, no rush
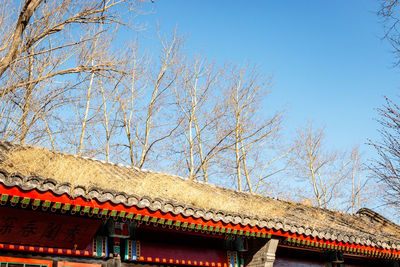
(35, 161)
(66, 168)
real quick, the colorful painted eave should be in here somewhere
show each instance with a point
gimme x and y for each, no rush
(47, 195)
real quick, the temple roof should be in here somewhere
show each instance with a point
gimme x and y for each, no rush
(38, 168)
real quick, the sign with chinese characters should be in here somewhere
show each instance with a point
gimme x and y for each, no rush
(26, 227)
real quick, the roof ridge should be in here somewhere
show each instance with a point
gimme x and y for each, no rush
(375, 216)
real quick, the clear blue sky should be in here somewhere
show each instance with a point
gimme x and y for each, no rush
(327, 58)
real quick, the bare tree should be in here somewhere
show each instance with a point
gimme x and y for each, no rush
(96, 90)
(62, 84)
(390, 13)
(12, 42)
(143, 103)
(203, 135)
(127, 99)
(387, 166)
(244, 93)
(89, 87)
(110, 111)
(30, 105)
(334, 177)
(49, 24)
(160, 85)
(41, 59)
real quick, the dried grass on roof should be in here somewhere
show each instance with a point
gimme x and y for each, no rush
(91, 173)
(34, 161)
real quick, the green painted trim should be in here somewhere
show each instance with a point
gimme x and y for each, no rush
(104, 212)
(26, 200)
(46, 204)
(14, 199)
(4, 197)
